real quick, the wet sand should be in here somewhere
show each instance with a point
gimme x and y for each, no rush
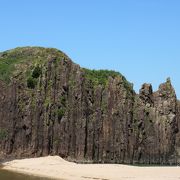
(10, 175)
(57, 168)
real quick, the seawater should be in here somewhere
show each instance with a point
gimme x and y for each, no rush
(8, 175)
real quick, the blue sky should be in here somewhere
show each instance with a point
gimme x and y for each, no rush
(139, 38)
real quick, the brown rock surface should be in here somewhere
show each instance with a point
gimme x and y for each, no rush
(83, 115)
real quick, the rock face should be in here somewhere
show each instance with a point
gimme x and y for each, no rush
(49, 105)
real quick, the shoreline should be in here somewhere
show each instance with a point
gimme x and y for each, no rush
(55, 167)
(28, 173)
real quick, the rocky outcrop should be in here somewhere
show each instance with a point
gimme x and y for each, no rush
(156, 114)
(177, 147)
(49, 105)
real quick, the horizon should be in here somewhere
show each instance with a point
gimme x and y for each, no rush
(139, 39)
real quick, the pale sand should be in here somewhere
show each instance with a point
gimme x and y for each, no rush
(56, 167)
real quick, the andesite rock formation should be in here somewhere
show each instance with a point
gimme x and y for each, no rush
(50, 105)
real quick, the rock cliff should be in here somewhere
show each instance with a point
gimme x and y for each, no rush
(50, 105)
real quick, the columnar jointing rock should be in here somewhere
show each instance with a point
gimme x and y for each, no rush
(49, 105)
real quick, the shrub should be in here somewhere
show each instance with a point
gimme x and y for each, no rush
(31, 83)
(63, 100)
(60, 113)
(3, 134)
(36, 72)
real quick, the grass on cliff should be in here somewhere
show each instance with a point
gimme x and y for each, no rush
(9, 60)
(20, 59)
(102, 76)
(7, 66)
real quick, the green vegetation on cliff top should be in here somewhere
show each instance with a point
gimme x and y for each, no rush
(10, 61)
(101, 77)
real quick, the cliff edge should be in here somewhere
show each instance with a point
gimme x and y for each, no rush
(51, 106)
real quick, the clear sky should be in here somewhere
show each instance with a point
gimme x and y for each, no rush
(139, 38)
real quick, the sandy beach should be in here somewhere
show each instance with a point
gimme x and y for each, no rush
(57, 168)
